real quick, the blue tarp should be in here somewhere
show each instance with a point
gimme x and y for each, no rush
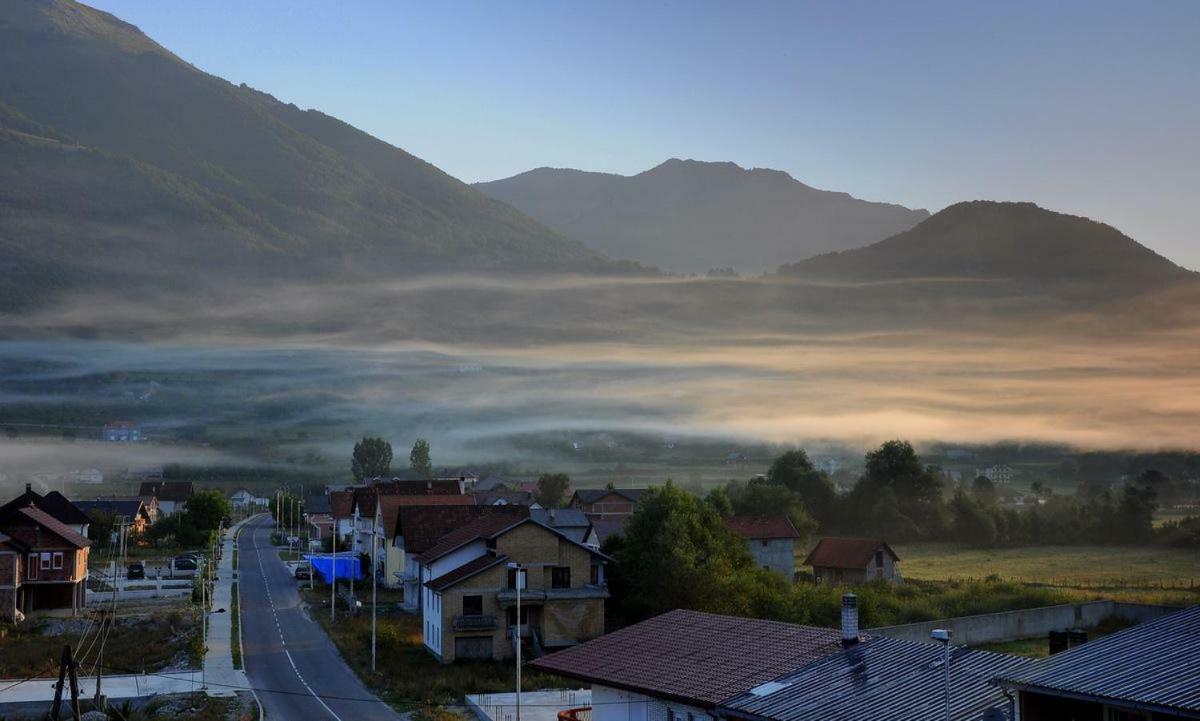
(346, 566)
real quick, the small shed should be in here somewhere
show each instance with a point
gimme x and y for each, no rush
(853, 560)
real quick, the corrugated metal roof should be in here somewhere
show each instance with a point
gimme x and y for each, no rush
(1155, 664)
(883, 679)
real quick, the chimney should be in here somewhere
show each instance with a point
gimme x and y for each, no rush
(29, 488)
(849, 619)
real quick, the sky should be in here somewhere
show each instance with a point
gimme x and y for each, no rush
(1091, 108)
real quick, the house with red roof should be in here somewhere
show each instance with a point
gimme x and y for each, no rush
(770, 539)
(43, 564)
(853, 560)
(470, 581)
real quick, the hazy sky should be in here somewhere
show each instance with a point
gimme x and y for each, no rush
(1084, 107)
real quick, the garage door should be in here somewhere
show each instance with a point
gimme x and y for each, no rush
(473, 647)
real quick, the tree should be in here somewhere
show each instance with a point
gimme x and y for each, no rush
(765, 499)
(102, 524)
(973, 524)
(418, 459)
(372, 458)
(795, 471)
(552, 489)
(916, 488)
(676, 552)
(205, 509)
(984, 490)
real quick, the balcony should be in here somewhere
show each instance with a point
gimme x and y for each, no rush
(576, 714)
(474, 623)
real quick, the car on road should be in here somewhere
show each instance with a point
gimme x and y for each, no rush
(136, 570)
(303, 572)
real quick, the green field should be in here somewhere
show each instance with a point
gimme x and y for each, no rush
(1100, 567)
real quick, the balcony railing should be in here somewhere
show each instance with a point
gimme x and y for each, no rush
(576, 714)
(474, 623)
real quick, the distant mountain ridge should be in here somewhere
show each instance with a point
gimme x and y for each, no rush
(690, 216)
(1001, 241)
(120, 163)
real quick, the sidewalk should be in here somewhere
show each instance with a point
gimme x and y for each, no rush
(114, 687)
(221, 677)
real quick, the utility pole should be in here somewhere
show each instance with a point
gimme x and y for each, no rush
(333, 576)
(374, 581)
(519, 581)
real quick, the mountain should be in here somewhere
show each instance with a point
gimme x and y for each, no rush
(691, 216)
(122, 164)
(985, 240)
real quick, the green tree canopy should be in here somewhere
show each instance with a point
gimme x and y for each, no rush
(419, 460)
(917, 490)
(766, 499)
(552, 489)
(983, 490)
(205, 509)
(676, 552)
(372, 458)
(795, 471)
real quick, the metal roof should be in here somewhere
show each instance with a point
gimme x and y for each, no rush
(1154, 665)
(883, 679)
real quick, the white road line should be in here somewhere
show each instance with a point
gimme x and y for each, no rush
(262, 570)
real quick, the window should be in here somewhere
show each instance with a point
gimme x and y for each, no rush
(45, 564)
(58, 560)
(595, 578)
(512, 578)
(764, 543)
(879, 559)
(472, 605)
(560, 577)
(33, 566)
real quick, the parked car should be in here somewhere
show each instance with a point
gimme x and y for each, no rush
(185, 563)
(303, 572)
(137, 569)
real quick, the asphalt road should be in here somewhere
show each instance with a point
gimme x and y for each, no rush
(291, 663)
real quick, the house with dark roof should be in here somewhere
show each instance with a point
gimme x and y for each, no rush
(681, 665)
(505, 497)
(470, 579)
(853, 560)
(770, 539)
(883, 679)
(54, 503)
(606, 503)
(168, 497)
(1148, 672)
(127, 509)
(571, 522)
(44, 564)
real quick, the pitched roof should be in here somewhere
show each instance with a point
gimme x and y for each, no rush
(693, 657)
(465, 571)
(176, 491)
(389, 507)
(341, 503)
(591, 495)
(513, 498)
(484, 527)
(755, 527)
(1155, 665)
(128, 507)
(423, 526)
(846, 552)
(492, 483)
(316, 503)
(52, 524)
(54, 503)
(571, 522)
(12, 544)
(883, 679)
(608, 527)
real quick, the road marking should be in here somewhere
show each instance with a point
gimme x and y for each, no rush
(263, 571)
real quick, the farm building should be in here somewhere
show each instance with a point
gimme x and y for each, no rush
(853, 560)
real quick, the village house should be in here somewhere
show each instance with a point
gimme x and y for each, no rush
(43, 565)
(243, 499)
(391, 555)
(606, 503)
(471, 577)
(681, 665)
(166, 497)
(504, 497)
(129, 510)
(122, 432)
(367, 524)
(1000, 474)
(853, 560)
(87, 476)
(54, 503)
(771, 540)
(1149, 672)
(571, 522)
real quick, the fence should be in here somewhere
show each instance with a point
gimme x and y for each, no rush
(1025, 623)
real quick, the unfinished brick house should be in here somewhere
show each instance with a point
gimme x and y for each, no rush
(43, 565)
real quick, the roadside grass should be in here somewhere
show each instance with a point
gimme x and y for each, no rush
(408, 677)
(1083, 567)
(235, 627)
(150, 642)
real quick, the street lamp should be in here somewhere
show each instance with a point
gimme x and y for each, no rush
(519, 581)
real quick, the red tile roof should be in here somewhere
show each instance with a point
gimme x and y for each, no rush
(846, 552)
(484, 527)
(341, 503)
(52, 524)
(693, 657)
(756, 527)
(423, 526)
(465, 571)
(389, 507)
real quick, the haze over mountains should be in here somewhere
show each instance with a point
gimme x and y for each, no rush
(692, 216)
(121, 163)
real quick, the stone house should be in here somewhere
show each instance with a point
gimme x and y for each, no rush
(771, 541)
(853, 560)
(607, 503)
(44, 565)
(469, 608)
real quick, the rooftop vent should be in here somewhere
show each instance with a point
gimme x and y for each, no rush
(849, 619)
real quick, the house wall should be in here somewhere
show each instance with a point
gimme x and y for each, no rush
(612, 505)
(776, 554)
(566, 622)
(540, 550)
(611, 704)
(484, 584)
